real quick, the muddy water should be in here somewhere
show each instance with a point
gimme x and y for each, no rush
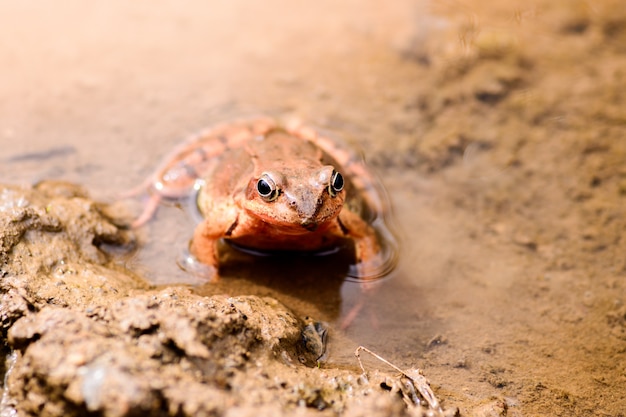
(484, 132)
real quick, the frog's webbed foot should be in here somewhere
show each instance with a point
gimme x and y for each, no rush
(204, 250)
(369, 267)
(370, 261)
(204, 244)
(188, 262)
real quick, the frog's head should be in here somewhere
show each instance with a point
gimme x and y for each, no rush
(296, 199)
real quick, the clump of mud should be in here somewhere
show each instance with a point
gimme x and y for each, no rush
(84, 336)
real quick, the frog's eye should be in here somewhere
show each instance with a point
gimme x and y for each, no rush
(336, 184)
(266, 187)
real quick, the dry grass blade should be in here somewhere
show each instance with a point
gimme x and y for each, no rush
(414, 382)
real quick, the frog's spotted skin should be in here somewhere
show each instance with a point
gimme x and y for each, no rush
(271, 187)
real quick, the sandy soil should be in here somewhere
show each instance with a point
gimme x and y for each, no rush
(498, 130)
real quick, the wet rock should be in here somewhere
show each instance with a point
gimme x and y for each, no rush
(145, 353)
(51, 239)
(58, 213)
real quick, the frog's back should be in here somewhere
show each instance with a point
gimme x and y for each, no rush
(280, 150)
(230, 172)
(227, 174)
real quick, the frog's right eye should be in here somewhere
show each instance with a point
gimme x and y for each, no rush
(266, 187)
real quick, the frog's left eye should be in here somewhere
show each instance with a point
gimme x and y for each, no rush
(336, 184)
(266, 187)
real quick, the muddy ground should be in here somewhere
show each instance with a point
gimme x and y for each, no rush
(499, 131)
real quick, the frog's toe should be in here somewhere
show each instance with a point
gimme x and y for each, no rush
(189, 263)
(369, 269)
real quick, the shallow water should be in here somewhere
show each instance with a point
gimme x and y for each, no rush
(493, 293)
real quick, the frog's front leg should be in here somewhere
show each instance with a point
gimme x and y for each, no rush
(367, 249)
(369, 260)
(206, 235)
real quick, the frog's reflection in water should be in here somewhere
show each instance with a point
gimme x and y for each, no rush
(308, 283)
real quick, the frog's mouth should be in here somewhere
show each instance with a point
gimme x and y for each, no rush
(313, 206)
(311, 226)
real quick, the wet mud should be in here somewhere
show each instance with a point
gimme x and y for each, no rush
(499, 132)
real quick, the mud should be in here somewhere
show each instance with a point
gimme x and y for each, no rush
(499, 131)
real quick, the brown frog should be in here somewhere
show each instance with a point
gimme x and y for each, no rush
(269, 187)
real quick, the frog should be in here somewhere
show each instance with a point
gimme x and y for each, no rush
(268, 186)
